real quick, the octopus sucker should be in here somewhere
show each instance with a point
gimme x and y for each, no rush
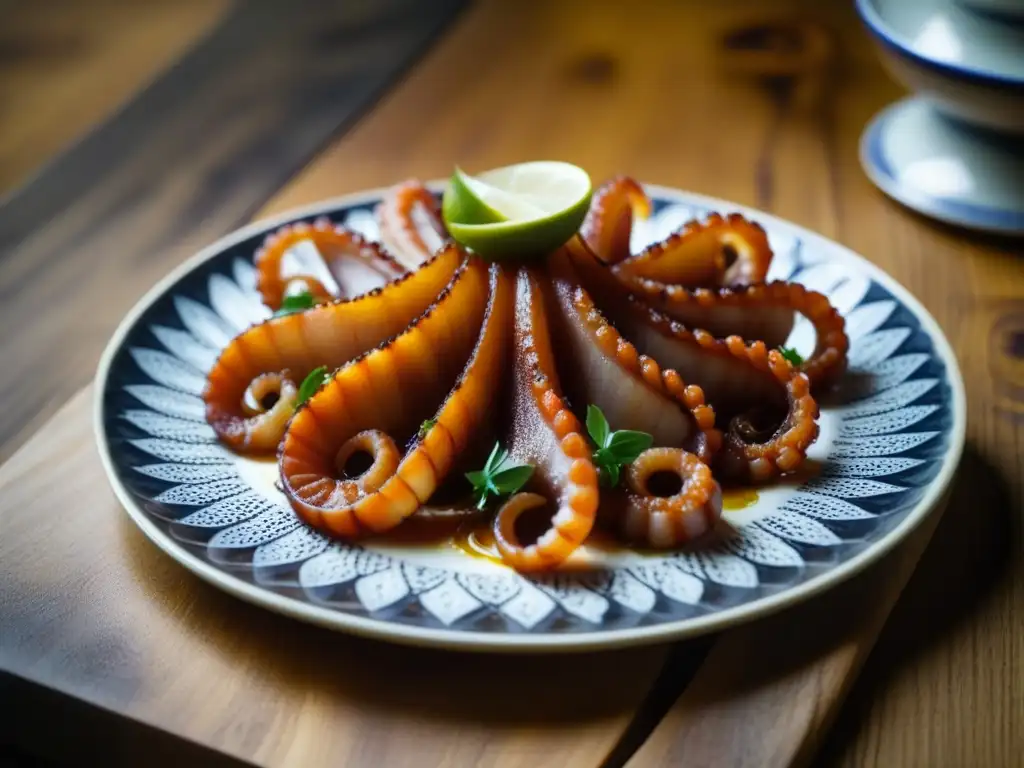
(699, 357)
(410, 223)
(721, 251)
(634, 391)
(758, 447)
(763, 312)
(545, 433)
(618, 321)
(387, 394)
(711, 275)
(671, 499)
(746, 385)
(609, 222)
(322, 259)
(289, 347)
(735, 377)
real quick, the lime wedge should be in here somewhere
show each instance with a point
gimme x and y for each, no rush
(519, 210)
(466, 201)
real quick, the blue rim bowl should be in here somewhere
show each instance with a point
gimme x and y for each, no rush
(970, 94)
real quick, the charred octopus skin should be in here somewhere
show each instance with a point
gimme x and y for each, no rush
(743, 382)
(335, 263)
(713, 275)
(291, 346)
(427, 355)
(451, 355)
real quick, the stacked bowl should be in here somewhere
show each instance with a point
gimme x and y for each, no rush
(955, 149)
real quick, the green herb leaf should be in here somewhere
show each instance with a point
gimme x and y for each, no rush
(311, 384)
(479, 477)
(614, 449)
(792, 355)
(498, 457)
(597, 426)
(511, 479)
(297, 302)
(426, 426)
(626, 444)
(499, 477)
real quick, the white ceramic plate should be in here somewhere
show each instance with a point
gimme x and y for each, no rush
(890, 440)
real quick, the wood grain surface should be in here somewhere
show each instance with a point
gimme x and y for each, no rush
(764, 108)
(768, 693)
(66, 65)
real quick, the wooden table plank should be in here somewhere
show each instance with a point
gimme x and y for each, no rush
(767, 694)
(67, 65)
(190, 158)
(943, 686)
(93, 610)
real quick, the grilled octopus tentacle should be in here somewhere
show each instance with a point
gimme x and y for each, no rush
(290, 347)
(609, 221)
(742, 381)
(545, 433)
(719, 251)
(389, 391)
(410, 223)
(762, 312)
(633, 390)
(341, 264)
(711, 275)
(686, 506)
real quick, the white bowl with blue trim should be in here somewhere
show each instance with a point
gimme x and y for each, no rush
(969, 65)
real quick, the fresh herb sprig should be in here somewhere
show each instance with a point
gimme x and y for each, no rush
(296, 302)
(614, 449)
(311, 384)
(499, 477)
(792, 355)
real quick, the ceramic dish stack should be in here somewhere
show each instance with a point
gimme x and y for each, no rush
(955, 149)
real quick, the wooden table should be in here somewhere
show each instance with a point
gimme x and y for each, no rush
(103, 647)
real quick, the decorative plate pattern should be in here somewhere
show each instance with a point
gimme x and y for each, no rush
(890, 438)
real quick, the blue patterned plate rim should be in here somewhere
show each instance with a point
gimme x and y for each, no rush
(562, 633)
